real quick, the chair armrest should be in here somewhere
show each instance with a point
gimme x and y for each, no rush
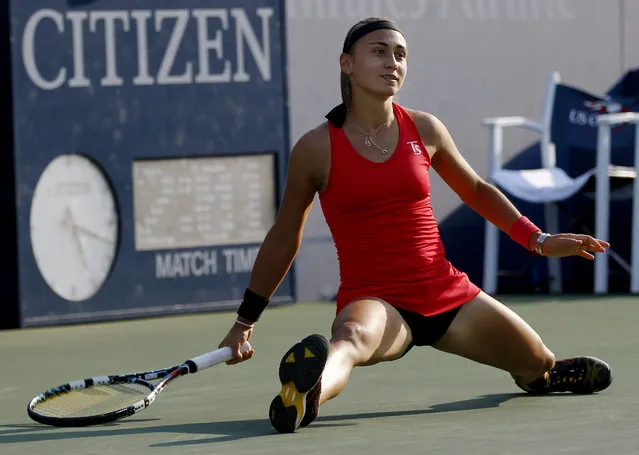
(521, 122)
(620, 117)
(496, 126)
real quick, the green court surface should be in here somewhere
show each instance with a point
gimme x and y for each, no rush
(425, 403)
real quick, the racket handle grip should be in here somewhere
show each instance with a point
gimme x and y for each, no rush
(212, 358)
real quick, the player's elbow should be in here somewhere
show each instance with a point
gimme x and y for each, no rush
(471, 193)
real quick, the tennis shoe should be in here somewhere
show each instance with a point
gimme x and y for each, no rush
(300, 372)
(580, 375)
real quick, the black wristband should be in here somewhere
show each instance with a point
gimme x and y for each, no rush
(252, 306)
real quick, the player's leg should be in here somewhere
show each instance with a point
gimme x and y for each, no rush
(365, 332)
(489, 332)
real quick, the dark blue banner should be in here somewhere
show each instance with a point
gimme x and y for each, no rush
(574, 128)
(150, 149)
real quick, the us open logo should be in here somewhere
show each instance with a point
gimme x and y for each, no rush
(595, 109)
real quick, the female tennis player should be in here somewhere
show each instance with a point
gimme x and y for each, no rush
(369, 163)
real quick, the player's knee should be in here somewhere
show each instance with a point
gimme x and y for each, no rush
(540, 360)
(549, 359)
(352, 333)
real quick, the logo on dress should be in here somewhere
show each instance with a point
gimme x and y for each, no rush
(415, 146)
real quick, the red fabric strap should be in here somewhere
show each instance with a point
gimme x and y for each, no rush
(522, 230)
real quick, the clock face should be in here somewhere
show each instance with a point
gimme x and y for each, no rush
(74, 227)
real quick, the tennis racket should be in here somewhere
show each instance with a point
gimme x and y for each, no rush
(104, 399)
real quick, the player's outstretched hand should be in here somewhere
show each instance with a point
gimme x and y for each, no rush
(236, 337)
(562, 245)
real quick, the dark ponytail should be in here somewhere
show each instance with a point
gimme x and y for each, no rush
(337, 116)
(346, 88)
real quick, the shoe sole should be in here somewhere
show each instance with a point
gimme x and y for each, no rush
(300, 370)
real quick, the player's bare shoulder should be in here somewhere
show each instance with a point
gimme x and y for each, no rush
(427, 125)
(312, 153)
(431, 129)
(315, 143)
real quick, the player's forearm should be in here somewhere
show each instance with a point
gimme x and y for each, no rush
(273, 262)
(493, 205)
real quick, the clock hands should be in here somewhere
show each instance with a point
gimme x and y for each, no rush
(77, 231)
(68, 221)
(78, 242)
(91, 234)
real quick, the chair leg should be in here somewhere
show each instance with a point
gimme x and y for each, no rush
(491, 258)
(554, 264)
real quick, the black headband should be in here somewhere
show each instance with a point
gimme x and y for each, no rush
(364, 30)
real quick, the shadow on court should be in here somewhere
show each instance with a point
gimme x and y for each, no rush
(483, 402)
(230, 430)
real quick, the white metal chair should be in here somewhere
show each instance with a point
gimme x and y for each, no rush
(548, 184)
(602, 199)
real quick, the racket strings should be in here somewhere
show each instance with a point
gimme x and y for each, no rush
(99, 399)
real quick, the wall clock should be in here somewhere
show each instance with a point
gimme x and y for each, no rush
(73, 227)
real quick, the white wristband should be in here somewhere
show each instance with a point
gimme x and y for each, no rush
(250, 326)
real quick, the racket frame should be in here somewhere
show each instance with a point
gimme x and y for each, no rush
(134, 378)
(166, 375)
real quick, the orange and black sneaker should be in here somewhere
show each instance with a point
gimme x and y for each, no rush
(301, 369)
(581, 375)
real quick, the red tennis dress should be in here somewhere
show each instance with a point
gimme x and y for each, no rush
(385, 232)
